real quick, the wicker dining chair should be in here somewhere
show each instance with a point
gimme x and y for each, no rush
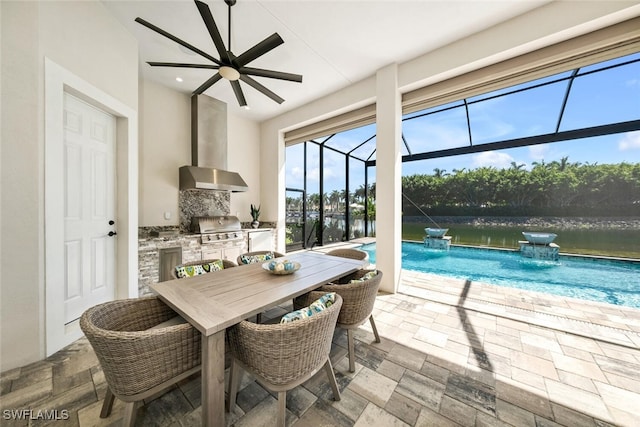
(226, 263)
(256, 255)
(359, 298)
(350, 253)
(141, 348)
(284, 355)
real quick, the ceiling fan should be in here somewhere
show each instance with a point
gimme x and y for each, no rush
(229, 66)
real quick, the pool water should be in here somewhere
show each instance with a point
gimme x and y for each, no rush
(610, 281)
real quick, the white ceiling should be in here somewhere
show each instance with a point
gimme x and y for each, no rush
(331, 43)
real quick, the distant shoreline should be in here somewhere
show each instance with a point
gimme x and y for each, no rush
(620, 223)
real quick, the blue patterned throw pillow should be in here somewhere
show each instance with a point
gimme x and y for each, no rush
(303, 313)
(317, 306)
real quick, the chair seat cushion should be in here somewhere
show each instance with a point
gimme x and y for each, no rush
(315, 307)
(175, 320)
(252, 259)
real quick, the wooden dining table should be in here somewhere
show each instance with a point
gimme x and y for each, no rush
(215, 301)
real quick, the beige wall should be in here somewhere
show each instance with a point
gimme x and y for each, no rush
(244, 151)
(165, 126)
(165, 145)
(83, 38)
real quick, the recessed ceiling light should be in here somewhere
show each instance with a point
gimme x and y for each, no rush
(179, 79)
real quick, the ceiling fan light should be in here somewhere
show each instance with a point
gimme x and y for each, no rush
(229, 73)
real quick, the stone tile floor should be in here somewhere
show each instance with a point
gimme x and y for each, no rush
(453, 353)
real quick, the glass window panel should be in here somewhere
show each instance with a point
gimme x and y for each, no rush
(294, 220)
(365, 151)
(334, 170)
(604, 97)
(294, 166)
(313, 179)
(348, 140)
(371, 179)
(404, 150)
(437, 131)
(517, 115)
(313, 193)
(356, 198)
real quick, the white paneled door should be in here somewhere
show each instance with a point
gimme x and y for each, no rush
(89, 207)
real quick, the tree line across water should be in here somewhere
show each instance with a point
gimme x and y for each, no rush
(558, 188)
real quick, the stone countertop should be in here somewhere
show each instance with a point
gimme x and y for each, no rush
(175, 236)
(166, 234)
(183, 239)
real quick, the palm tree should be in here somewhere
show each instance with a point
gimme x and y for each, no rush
(439, 173)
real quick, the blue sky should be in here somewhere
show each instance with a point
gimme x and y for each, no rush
(600, 98)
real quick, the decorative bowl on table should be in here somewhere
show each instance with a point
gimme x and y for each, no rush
(281, 266)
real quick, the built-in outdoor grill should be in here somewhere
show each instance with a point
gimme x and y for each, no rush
(217, 229)
(221, 236)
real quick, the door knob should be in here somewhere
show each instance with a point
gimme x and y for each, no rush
(111, 222)
(112, 233)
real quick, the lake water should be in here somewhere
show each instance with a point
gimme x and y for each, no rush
(613, 242)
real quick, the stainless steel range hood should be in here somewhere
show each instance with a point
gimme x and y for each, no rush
(208, 170)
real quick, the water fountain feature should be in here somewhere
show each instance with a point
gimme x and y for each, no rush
(436, 239)
(539, 246)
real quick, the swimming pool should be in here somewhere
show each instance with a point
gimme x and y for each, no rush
(614, 282)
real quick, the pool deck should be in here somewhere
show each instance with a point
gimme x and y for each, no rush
(453, 353)
(606, 322)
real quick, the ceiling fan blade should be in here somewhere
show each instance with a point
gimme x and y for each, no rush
(238, 91)
(271, 42)
(180, 65)
(271, 74)
(206, 85)
(177, 40)
(210, 23)
(254, 84)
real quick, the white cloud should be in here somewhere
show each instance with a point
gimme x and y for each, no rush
(492, 158)
(630, 141)
(539, 152)
(297, 172)
(313, 174)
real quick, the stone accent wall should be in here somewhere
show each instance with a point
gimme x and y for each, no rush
(202, 203)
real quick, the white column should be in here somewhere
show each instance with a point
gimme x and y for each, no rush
(388, 177)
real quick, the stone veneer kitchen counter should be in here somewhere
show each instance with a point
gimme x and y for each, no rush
(149, 256)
